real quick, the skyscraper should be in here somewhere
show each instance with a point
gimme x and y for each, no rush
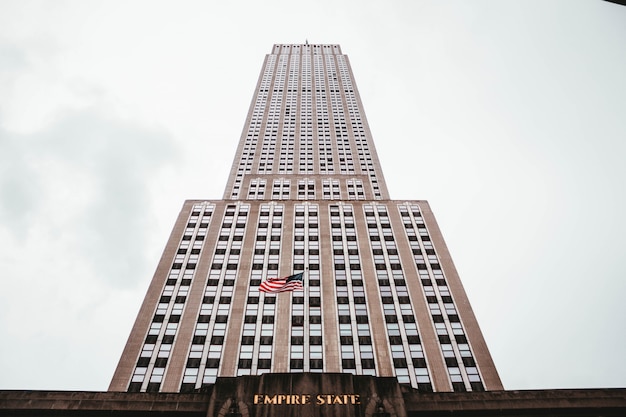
(306, 193)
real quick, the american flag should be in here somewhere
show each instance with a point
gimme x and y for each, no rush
(292, 283)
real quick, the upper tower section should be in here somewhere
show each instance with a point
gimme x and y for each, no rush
(306, 136)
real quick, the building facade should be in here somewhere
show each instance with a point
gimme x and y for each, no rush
(306, 193)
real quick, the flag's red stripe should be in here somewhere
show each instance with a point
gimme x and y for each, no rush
(279, 285)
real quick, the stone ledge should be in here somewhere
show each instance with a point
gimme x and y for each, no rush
(103, 401)
(554, 402)
(399, 401)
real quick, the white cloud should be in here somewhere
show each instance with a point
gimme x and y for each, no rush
(77, 243)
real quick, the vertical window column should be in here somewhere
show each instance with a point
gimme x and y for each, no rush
(203, 359)
(460, 363)
(346, 163)
(150, 368)
(322, 116)
(358, 129)
(405, 344)
(306, 337)
(354, 330)
(255, 354)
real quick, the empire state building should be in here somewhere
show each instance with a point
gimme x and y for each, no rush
(306, 193)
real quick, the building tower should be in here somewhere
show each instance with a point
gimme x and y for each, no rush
(306, 193)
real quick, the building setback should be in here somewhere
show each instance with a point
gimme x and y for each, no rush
(306, 193)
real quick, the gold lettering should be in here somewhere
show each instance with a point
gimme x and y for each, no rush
(300, 399)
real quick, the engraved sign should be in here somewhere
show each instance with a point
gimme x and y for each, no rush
(302, 399)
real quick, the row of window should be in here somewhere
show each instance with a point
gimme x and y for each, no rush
(281, 189)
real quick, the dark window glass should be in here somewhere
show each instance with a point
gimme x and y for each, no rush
(365, 340)
(469, 362)
(419, 362)
(395, 340)
(296, 363)
(348, 363)
(153, 387)
(314, 364)
(217, 340)
(408, 318)
(193, 363)
(315, 340)
(362, 319)
(143, 362)
(245, 363)
(399, 362)
(451, 362)
(458, 387)
(213, 362)
(346, 340)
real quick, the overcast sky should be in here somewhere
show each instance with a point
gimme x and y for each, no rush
(509, 117)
